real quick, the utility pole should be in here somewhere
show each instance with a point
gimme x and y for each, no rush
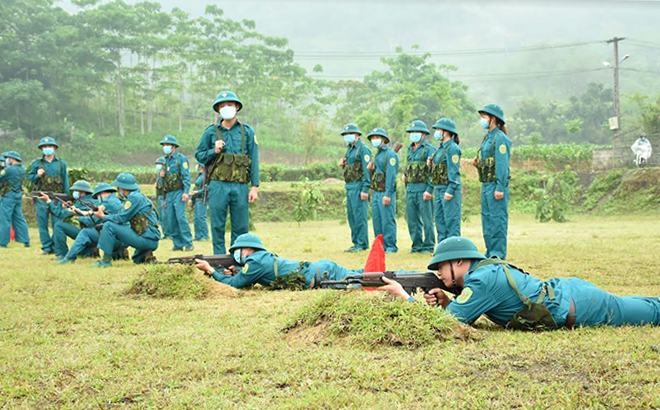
(615, 41)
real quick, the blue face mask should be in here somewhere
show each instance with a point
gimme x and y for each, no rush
(76, 194)
(415, 137)
(48, 151)
(437, 135)
(167, 149)
(349, 138)
(7, 162)
(159, 167)
(376, 143)
(238, 257)
(484, 124)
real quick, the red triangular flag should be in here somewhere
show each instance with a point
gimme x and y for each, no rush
(376, 259)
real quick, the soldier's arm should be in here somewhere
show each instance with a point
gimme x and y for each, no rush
(474, 301)
(206, 149)
(392, 170)
(430, 151)
(502, 157)
(453, 169)
(125, 214)
(65, 177)
(56, 209)
(185, 172)
(32, 175)
(253, 150)
(243, 278)
(365, 157)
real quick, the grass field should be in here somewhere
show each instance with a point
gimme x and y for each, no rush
(70, 339)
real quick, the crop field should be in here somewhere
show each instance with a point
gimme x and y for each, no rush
(71, 338)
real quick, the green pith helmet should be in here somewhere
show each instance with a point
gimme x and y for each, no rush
(454, 248)
(169, 139)
(494, 110)
(381, 132)
(227, 96)
(247, 240)
(103, 187)
(446, 124)
(47, 141)
(12, 154)
(161, 160)
(418, 126)
(126, 181)
(82, 186)
(351, 129)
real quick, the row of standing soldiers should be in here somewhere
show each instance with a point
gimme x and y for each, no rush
(429, 173)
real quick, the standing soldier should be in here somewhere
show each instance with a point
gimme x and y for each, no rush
(176, 185)
(492, 163)
(199, 206)
(446, 178)
(229, 152)
(357, 180)
(66, 226)
(160, 197)
(419, 193)
(384, 166)
(47, 174)
(136, 225)
(11, 197)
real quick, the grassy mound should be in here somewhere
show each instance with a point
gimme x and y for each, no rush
(369, 318)
(177, 282)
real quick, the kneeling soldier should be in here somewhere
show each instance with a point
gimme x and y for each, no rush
(135, 225)
(510, 297)
(257, 265)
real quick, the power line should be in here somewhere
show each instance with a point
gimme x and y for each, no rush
(639, 70)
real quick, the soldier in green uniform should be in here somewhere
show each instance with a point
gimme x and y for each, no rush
(11, 196)
(135, 225)
(160, 197)
(88, 237)
(446, 179)
(492, 163)
(510, 297)
(68, 223)
(356, 176)
(258, 266)
(384, 167)
(419, 193)
(199, 206)
(47, 174)
(176, 185)
(229, 151)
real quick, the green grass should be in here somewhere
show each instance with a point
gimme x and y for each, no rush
(70, 338)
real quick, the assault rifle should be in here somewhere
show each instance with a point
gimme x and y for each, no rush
(54, 196)
(409, 280)
(224, 261)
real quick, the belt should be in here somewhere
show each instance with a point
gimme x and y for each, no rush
(570, 318)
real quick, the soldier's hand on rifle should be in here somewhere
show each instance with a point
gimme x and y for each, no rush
(428, 161)
(184, 197)
(253, 195)
(44, 197)
(219, 144)
(436, 297)
(41, 172)
(370, 166)
(475, 162)
(448, 197)
(99, 213)
(387, 201)
(427, 196)
(364, 196)
(342, 162)
(393, 288)
(162, 173)
(231, 271)
(498, 195)
(403, 178)
(204, 266)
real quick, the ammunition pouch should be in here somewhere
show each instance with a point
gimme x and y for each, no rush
(534, 316)
(5, 187)
(139, 224)
(353, 172)
(378, 182)
(160, 190)
(439, 174)
(294, 280)
(486, 170)
(51, 183)
(172, 182)
(232, 168)
(417, 172)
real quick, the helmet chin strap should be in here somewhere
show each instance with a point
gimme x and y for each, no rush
(453, 278)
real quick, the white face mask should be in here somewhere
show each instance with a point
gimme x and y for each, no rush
(228, 112)
(376, 142)
(437, 135)
(167, 149)
(415, 137)
(159, 167)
